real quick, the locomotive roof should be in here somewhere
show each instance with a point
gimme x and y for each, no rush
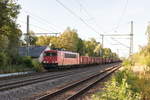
(62, 51)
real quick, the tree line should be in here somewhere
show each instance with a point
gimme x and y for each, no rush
(10, 38)
(69, 40)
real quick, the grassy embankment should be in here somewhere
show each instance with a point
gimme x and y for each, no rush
(132, 82)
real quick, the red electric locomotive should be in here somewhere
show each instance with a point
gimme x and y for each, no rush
(56, 58)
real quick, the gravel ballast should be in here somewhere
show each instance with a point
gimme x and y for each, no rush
(28, 91)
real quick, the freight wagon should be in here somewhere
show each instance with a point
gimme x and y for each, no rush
(58, 58)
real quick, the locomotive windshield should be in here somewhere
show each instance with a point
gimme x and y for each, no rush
(50, 54)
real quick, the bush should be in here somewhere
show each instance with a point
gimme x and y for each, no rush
(115, 91)
(19, 60)
(4, 59)
(127, 62)
(123, 86)
(37, 66)
(130, 77)
(19, 64)
(27, 61)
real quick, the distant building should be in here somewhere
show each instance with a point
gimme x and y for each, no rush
(35, 52)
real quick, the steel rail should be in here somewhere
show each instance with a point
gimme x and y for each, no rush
(74, 84)
(11, 85)
(77, 94)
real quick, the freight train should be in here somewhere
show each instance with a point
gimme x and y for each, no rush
(65, 59)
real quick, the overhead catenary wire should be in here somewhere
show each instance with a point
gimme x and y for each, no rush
(121, 16)
(34, 26)
(120, 43)
(74, 14)
(43, 20)
(88, 14)
(119, 21)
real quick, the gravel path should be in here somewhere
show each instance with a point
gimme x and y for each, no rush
(29, 90)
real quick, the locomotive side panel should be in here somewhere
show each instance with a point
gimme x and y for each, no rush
(68, 58)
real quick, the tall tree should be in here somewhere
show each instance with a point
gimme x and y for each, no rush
(47, 40)
(92, 47)
(69, 40)
(43, 40)
(9, 30)
(81, 47)
(107, 52)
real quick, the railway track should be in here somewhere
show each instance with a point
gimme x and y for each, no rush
(74, 89)
(27, 81)
(16, 84)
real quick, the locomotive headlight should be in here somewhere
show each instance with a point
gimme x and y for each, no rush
(44, 61)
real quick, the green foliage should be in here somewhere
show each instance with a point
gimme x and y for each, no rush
(46, 40)
(69, 40)
(114, 91)
(107, 52)
(127, 63)
(27, 61)
(21, 64)
(143, 85)
(9, 30)
(81, 47)
(92, 48)
(120, 87)
(3, 59)
(37, 66)
(130, 77)
(34, 64)
(126, 85)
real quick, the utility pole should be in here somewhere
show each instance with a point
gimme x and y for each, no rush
(101, 51)
(28, 35)
(131, 40)
(129, 35)
(118, 52)
(102, 40)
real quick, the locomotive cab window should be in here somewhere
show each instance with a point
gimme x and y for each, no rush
(50, 54)
(67, 55)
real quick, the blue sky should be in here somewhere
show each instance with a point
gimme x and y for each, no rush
(103, 15)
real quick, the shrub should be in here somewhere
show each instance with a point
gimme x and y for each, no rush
(37, 66)
(4, 59)
(115, 91)
(19, 60)
(27, 61)
(120, 87)
(130, 77)
(143, 85)
(127, 63)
